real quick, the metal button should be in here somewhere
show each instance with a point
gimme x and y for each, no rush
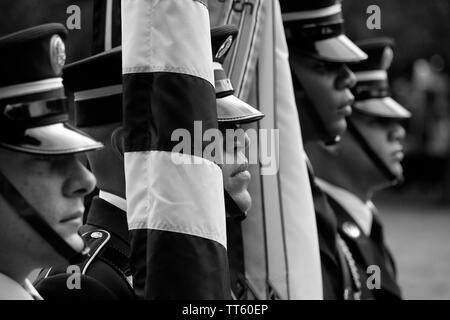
(351, 229)
(96, 235)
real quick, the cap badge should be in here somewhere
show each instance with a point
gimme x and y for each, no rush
(326, 30)
(387, 57)
(351, 230)
(224, 47)
(57, 53)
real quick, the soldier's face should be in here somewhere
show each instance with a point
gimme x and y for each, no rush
(236, 176)
(55, 186)
(326, 86)
(386, 137)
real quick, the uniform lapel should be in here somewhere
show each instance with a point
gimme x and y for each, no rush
(371, 252)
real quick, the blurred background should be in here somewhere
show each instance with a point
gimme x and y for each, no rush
(417, 213)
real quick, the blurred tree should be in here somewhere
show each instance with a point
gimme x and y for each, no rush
(421, 28)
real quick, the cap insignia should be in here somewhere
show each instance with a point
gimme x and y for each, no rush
(57, 53)
(387, 57)
(224, 47)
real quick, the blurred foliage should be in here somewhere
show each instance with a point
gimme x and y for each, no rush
(420, 28)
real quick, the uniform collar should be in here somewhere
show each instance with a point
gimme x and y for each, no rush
(107, 214)
(360, 211)
(12, 290)
(32, 290)
(116, 201)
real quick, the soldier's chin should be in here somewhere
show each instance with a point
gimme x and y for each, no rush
(75, 241)
(340, 127)
(335, 129)
(243, 200)
(397, 170)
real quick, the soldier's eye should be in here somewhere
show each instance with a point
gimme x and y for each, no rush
(326, 67)
(320, 67)
(40, 157)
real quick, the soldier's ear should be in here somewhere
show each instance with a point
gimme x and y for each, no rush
(118, 142)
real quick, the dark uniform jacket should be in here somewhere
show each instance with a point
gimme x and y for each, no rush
(337, 283)
(105, 271)
(368, 251)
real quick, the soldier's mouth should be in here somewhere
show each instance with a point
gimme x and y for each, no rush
(345, 110)
(73, 217)
(398, 155)
(242, 168)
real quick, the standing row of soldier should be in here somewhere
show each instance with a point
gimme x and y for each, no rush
(350, 155)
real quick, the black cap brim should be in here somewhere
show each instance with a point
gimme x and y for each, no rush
(54, 139)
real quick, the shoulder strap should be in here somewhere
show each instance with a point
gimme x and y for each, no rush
(351, 278)
(94, 238)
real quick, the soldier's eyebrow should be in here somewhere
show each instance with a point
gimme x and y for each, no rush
(313, 63)
(330, 65)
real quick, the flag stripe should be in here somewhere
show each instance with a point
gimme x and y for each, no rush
(168, 104)
(106, 25)
(164, 202)
(171, 277)
(167, 42)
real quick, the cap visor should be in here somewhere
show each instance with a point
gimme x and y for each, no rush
(55, 139)
(382, 107)
(234, 110)
(339, 49)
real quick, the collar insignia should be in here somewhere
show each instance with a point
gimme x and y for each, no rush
(351, 229)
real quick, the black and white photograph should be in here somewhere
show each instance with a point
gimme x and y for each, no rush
(224, 155)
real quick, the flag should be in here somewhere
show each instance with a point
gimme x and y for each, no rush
(175, 209)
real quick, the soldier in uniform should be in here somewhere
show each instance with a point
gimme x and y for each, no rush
(42, 183)
(97, 86)
(366, 160)
(319, 52)
(231, 113)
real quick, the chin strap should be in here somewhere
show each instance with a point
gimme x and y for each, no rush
(33, 218)
(232, 209)
(379, 163)
(324, 134)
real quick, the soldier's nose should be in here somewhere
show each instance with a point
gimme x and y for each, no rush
(397, 132)
(80, 181)
(246, 141)
(346, 78)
